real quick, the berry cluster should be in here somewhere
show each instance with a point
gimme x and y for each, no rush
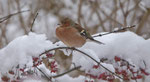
(17, 72)
(122, 68)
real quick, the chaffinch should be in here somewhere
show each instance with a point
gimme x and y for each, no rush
(72, 34)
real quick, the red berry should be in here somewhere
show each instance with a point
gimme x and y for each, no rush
(139, 76)
(86, 81)
(126, 78)
(5, 78)
(110, 78)
(123, 72)
(117, 58)
(102, 76)
(11, 72)
(49, 55)
(35, 59)
(93, 76)
(117, 71)
(95, 66)
(53, 62)
(53, 71)
(22, 70)
(144, 72)
(133, 78)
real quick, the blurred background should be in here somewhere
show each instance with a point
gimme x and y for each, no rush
(94, 15)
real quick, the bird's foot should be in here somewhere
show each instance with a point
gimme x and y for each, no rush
(70, 48)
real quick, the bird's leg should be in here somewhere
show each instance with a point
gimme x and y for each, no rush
(72, 48)
(74, 64)
(67, 50)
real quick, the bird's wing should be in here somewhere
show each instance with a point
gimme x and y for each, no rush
(82, 31)
(78, 27)
(85, 33)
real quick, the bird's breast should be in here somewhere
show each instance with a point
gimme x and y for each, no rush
(70, 36)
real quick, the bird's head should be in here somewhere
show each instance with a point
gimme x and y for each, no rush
(67, 22)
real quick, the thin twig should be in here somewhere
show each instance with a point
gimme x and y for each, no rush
(144, 63)
(44, 73)
(135, 9)
(115, 31)
(9, 16)
(127, 62)
(95, 7)
(109, 17)
(33, 22)
(85, 55)
(143, 21)
(134, 76)
(59, 75)
(123, 12)
(79, 11)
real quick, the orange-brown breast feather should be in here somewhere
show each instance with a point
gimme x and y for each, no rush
(70, 36)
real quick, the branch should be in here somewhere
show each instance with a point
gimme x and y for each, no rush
(58, 48)
(115, 31)
(109, 17)
(143, 21)
(33, 22)
(85, 55)
(9, 16)
(79, 11)
(44, 74)
(59, 75)
(95, 7)
(127, 62)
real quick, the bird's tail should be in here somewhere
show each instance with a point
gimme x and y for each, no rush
(92, 39)
(87, 35)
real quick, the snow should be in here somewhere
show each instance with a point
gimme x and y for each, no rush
(70, 79)
(43, 68)
(32, 80)
(126, 45)
(21, 50)
(83, 60)
(109, 66)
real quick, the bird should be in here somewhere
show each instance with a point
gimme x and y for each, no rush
(72, 34)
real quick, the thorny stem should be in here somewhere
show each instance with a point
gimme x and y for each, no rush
(85, 55)
(122, 29)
